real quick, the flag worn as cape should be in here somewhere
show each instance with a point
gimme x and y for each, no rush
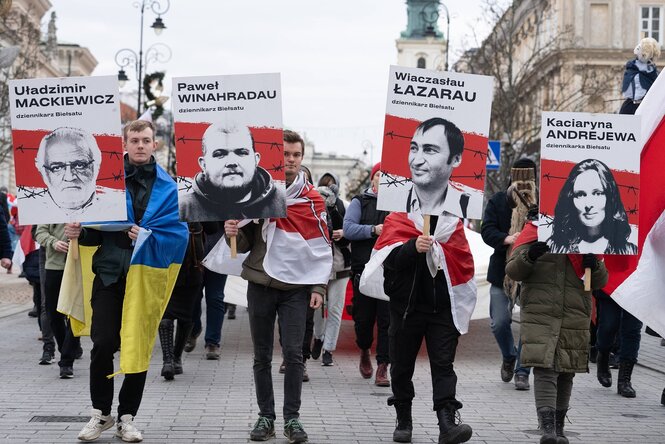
(298, 249)
(156, 260)
(24, 247)
(641, 294)
(451, 253)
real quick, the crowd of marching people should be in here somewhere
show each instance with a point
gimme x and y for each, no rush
(427, 273)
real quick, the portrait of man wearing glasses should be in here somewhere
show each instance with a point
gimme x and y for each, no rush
(69, 160)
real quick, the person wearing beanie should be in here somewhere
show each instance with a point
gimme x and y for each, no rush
(363, 224)
(502, 222)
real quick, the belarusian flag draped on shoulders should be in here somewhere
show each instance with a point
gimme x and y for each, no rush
(451, 254)
(641, 293)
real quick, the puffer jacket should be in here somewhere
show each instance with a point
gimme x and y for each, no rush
(555, 310)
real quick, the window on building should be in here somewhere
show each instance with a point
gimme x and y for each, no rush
(651, 22)
(422, 63)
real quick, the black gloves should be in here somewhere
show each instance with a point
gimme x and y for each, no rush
(536, 250)
(590, 261)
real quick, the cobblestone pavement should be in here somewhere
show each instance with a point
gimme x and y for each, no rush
(213, 401)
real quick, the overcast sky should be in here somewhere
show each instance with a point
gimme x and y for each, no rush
(333, 55)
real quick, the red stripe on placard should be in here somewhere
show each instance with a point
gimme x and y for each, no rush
(188, 141)
(553, 175)
(396, 143)
(26, 144)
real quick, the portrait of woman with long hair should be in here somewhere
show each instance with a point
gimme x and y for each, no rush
(589, 216)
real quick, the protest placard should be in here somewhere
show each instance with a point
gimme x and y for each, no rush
(68, 149)
(229, 147)
(589, 182)
(435, 142)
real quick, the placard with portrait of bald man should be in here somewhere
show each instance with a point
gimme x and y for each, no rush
(68, 150)
(229, 147)
(435, 142)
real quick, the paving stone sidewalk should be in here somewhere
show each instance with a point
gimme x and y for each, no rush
(214, 401)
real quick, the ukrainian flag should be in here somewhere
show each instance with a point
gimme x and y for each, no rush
(156, 260)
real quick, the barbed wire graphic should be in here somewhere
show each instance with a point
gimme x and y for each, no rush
(186, 181)
(114, 176)
(391, 180)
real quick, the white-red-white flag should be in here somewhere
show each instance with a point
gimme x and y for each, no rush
(643, 292)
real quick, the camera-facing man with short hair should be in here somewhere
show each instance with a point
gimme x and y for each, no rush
(231, 183)
(435, 151)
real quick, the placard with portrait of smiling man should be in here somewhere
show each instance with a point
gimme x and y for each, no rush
(68, 150)
(229, 147)
(435, 142)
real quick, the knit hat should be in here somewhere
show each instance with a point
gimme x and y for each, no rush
(376, 168)
(524, 162)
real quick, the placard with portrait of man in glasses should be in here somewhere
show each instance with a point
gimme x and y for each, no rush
(68, 150)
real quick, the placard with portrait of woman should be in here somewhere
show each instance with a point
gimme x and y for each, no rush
(589, 183)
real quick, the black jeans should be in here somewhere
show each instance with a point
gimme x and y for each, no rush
(441, 338)
(105, 334)
(613, 319)
(68, 344)
(367, 311)
(44, 321)
(290, 307)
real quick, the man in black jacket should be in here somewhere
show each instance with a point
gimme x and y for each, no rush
(495, 228)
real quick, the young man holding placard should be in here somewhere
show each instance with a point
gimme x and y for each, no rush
(153, 205)
(279, 286)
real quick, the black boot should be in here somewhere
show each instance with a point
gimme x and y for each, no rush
(404, 425)
(624, 387)
(449, 431)
(662, 397)
(547, 426)
(560, 418)
(166, 339)
(603, 369)
(182, 332)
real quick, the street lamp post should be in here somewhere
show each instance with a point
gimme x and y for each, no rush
(158, 52)
(430, 14)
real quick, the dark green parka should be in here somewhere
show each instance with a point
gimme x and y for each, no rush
(555, 310)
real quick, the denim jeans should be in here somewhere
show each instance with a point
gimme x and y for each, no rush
(501, 312)
(327, 329)
(290, 308)
(213, 288)
(612, 319)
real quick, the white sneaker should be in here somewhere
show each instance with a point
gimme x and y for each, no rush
(127, 431)
(97, 424)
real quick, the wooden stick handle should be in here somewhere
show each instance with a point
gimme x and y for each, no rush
(426, 225)
(74, 248)
(234, 247)
(587, 279)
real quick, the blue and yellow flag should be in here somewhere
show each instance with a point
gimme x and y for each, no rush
(156, 260)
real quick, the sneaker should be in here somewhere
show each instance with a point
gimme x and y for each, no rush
(33, 313)
(191, 342)
(264, 429)
(79, 353)
(47, 358)
(282, 367)
(316, 349)
(305, 376)
(522, 381)
(326, 359)
(507, 369)
(231, 311)
(614, 360)
(97, 424)
(127, 431)
(294, 432)
(66, 372)
(212, 352)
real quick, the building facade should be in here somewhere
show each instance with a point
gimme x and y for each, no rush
(39, 55)
(558, 55)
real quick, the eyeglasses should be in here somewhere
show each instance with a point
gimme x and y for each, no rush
(76, 167)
